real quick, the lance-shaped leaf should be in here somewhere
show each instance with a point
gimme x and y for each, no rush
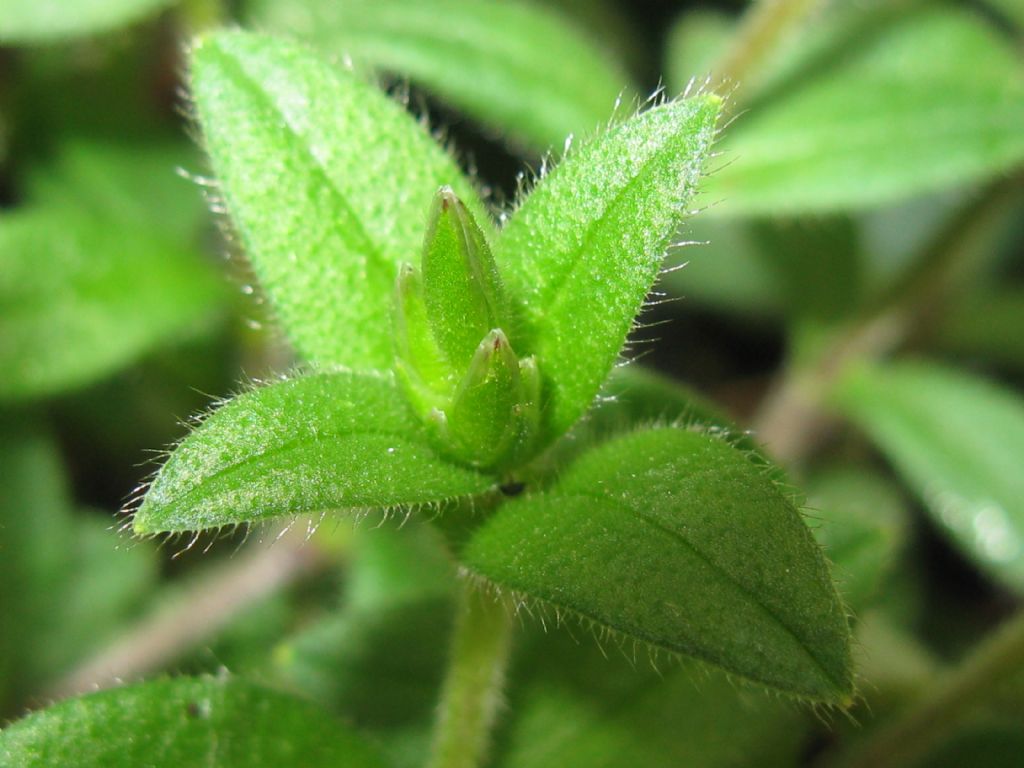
(885, 120)
(46, 21)
(674, 538)
(519, 67)
(959, 442)
(223, 722)
(583, 250)
(328, 182)
(331, 441)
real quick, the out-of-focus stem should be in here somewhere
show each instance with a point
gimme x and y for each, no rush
(475, 679)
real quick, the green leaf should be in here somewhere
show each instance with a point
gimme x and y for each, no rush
(110, 292)
(47, 21)
(987, 325)
(328, 182)
(959, 443)
(860, 522)
(379, 662)
(674, 538)
(35, 534)
(330, 441)
(694, 43)
(585, 247)
(223, 722)
(577, 707)
(522, 69)
(885, 120)
(134, 181)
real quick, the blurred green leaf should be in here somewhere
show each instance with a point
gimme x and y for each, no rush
(987, 325)
(379, 661)
(331, 441)
(860, 522)
(884, 120)
(35, 534)
(959, 443)
(132, 181)
(989, 746)
(695, 40)
(223, 722)
(109, 293)
(328, 182)
(674, 538)
(522, 69)
(583, 250)
(48, 21)
(576, 708)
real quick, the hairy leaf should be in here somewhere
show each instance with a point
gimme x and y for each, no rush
(521, 68)
(223, 722)
(674, 538)
(110, 291)
(959, 442)
(583, 250)
(884, 120)
(328, 182)
(45, 21)
(330, 441)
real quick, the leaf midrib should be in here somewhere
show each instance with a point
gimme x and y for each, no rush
(677, 536)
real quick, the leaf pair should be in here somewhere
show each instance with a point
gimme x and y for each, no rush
(667, 536)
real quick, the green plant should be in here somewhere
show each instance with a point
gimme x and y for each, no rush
(536, 521)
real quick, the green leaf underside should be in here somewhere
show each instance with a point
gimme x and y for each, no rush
(329, 441)
(110, 291)
(43, 21)
(583, 250)
(674, 538)
(223, 722)
(888, 120)
(328, 182)
(519, 67)
(959, 443)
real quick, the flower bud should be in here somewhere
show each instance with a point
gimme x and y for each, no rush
(479, 401)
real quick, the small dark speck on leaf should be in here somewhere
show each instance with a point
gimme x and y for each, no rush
(513, 489)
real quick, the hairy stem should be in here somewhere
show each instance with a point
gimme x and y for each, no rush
(208, 605)
(763, 29)
(473, 685)
(924, 725)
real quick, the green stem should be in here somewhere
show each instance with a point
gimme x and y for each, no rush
(922, 727)
(763, 29)
(475, 679)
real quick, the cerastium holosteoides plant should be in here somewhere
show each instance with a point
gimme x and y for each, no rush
(449, 362)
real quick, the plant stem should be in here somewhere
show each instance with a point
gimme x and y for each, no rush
(208, 604)
(954, 696)
(474, 682)
(763, 29)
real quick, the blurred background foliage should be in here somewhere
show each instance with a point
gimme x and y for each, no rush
(853, 290)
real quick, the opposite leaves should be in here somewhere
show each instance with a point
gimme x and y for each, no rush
(676, 539)
(340, 441)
